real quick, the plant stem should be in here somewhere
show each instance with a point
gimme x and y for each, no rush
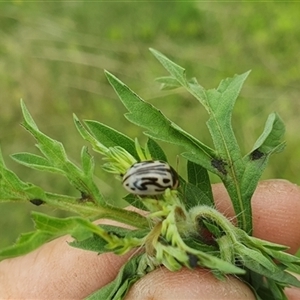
(123, 216)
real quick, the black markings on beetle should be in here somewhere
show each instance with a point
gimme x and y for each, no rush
(219, 164)
(256, 154)
(37, 202)
(149, 175)
(143, 183)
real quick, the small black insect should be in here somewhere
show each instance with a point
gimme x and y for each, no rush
(219, 164)
(37, 202)
(256, 154)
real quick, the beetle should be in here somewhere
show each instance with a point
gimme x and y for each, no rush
(150, 177)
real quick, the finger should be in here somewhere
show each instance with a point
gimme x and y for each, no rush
(199, 284)
(57, 271)
(276, 210)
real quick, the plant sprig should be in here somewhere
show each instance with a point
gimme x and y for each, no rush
(182, 227)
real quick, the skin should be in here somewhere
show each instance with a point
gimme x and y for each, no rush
(58, 271)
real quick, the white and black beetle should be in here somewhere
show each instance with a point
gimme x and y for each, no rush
(150, 177)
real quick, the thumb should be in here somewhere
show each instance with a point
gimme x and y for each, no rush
(199, 284)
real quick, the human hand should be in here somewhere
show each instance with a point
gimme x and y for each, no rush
(58, 271)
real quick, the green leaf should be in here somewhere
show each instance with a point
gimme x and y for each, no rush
(26, 243)
(47, 229)
(55, 155)
(12, 188)
(276, 290)
(197, 244)
(94, 243)
(249, 254)
(156, 151)
(198, 176)
(177, 72)
(98, 244)
(53, 150)
(279, 276)
(219, 104)
(88, 164)
(255, 163)
(272, 135)
(263, 288)
(35, 162)
(215, 263)
(110, 137)
(168, 83)
(275, 251)
(159, 127)
(228, 164)
(214, 229)
(118, 288)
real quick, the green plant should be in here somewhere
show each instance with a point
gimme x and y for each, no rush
(172, 233)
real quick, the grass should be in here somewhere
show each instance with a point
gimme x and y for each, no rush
(53, 55)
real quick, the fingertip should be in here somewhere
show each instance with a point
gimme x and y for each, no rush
(276, 210)
(195, 284)
(58, 271)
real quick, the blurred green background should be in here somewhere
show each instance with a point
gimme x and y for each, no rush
(52, 55)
